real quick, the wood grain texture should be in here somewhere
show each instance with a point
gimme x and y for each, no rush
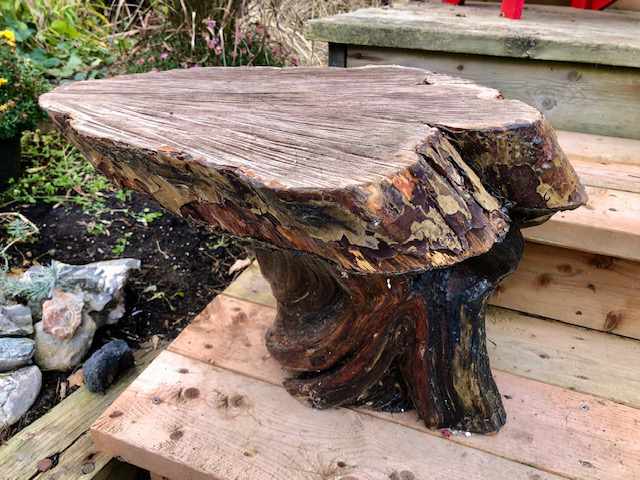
(609, 224)
(59, 430)
(411, 341)
(236, 426)
(554, 429)
(600, 149)
(544, 33)
(593, 291)
(573, 96)
(377, 169)
(535, 348)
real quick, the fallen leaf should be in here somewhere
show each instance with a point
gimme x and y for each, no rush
(76, 379)
(239, 264)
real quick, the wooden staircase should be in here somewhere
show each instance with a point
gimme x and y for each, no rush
(582, 69)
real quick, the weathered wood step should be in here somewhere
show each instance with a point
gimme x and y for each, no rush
(610, 222)
(544, 33)
(581, 68)
(212, 407)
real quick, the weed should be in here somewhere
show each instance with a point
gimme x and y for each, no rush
(146, 217)
(121, 244)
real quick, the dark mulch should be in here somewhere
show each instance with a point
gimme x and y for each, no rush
(183, 267)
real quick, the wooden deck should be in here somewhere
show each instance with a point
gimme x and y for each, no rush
(211, 407)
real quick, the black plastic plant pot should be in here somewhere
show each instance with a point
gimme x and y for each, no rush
(9, 160)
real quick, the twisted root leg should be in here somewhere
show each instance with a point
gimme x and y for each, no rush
(390, 342)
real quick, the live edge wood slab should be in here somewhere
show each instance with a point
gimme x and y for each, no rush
(386, 205)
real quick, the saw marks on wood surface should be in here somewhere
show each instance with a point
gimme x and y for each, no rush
(385, 169)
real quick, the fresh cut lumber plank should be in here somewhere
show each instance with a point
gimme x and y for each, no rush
(552, 428)
(187, 419)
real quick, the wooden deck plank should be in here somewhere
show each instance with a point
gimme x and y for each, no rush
(573, 96)
(608, 225)
(544, 32)
(599, 149)
(207, 423)
(80, 461)
(593, 291)
(554, 429)
(61, 428)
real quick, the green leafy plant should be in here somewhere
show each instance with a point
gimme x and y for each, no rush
(20, 86)
(56, 172)
(146, 217)
(121, 244)
(63, 38)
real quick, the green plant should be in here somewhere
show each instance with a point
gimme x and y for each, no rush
(182, 34)
(121, 244)
(63, 38)
(146, 216)
(34, 286)
(20, 86)
(18, 229)
(56, 172)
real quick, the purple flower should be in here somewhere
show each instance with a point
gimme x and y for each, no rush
(164, 55)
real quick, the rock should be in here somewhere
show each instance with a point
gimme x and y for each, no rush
(15, 352)
(106, 364)
(18, 390)
(55, 354)
(62, 313)
(15, 320)
(102, 283)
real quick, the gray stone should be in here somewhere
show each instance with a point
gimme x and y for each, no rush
(53, 353)
(18, 390)
(15, 320)
(102, 283)
(106, 365)
(15, 352)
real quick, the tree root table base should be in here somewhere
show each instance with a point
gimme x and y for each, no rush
(390, 342)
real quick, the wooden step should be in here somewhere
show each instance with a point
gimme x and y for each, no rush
(585, 76)
(610, 222)
(212, 407)
(544, 33)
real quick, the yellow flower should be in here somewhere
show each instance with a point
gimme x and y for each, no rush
(9, 36)
(3, 81)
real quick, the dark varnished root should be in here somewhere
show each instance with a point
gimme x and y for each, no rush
(390, 342)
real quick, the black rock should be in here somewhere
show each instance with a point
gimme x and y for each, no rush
(106, 364)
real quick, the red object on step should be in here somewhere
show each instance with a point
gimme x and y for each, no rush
(591, 4)
(513, 8)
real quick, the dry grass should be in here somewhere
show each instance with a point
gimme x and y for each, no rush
(285, 20)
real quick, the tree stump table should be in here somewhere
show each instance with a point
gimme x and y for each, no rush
(385, 203)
